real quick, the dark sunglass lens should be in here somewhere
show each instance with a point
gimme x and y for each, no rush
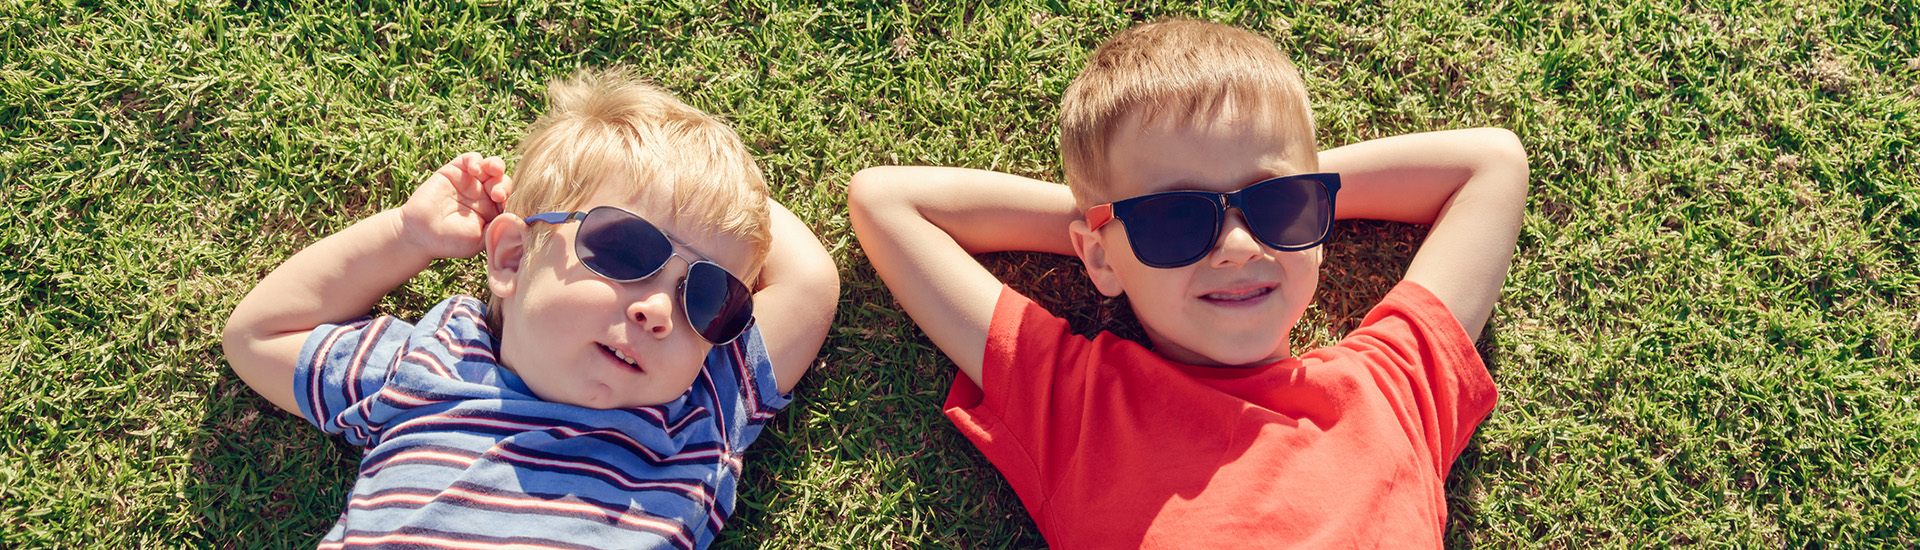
(1172, 230)
(620, 245)
(718, 305)
(1289, 213)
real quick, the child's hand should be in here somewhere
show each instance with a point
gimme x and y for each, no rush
(448, 214)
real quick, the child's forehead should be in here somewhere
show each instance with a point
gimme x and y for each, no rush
(1220, 152)
(1223, 118)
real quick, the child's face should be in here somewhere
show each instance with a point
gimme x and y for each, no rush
(1236, 305)
(563, 323)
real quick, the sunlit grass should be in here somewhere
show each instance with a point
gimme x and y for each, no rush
(1707, 338)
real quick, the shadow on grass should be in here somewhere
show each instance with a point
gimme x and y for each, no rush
(262, 477)
(1464, 479)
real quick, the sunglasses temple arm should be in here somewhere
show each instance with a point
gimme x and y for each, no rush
(1099, 216)
(556, 218)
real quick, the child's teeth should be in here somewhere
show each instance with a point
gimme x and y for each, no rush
(622, 356)
(1240, 296)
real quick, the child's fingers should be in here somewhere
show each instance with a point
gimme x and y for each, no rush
(474, 184)
(497, 185)
(476, 189)
(450, 172)
(462, 164)
(470, 162)
(470, 175)
(501, 189)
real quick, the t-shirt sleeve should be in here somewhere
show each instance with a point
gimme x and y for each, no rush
(1033, 390)
(746, 360)
(1434, 377)
(342, 368)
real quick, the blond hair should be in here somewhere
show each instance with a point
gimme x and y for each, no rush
(1183, 69)
(613, 128)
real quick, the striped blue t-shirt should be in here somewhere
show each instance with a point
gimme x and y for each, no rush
(460, 452)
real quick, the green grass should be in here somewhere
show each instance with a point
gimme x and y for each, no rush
(1707, 337)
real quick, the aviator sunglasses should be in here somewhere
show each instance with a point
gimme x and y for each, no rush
(1177, 228)
(623, 247)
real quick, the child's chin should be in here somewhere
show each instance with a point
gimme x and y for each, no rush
(1246, 355)
(1241, 363)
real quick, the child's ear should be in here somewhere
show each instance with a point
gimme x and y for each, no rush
(506, 252)
(1093, 253)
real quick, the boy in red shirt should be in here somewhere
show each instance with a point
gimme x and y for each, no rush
(1195, 186)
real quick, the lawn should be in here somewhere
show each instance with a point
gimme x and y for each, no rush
(1707, 339)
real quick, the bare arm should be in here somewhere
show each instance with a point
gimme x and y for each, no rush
(345, 274)
(920, 227)
(801, 285)
(1470, 185)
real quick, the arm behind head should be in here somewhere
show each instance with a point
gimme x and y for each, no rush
(920, 227)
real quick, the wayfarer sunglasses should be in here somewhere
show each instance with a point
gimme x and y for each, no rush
(623, 247)
(1177, 228)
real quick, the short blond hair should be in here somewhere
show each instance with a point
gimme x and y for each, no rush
(601, 124)
(1178, 68)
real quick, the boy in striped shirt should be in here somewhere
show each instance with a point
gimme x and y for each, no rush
(605, 396)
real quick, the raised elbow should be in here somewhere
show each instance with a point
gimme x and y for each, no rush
(1506, 152)
(871, 191)
(235, 336)
(868, 187)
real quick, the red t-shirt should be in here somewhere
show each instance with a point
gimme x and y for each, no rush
(1112, 446)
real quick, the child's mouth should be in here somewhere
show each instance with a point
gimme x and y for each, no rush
(1237, 297)
(622, 357)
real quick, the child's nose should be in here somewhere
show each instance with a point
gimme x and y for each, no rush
(1237, 245)
(653, 312)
